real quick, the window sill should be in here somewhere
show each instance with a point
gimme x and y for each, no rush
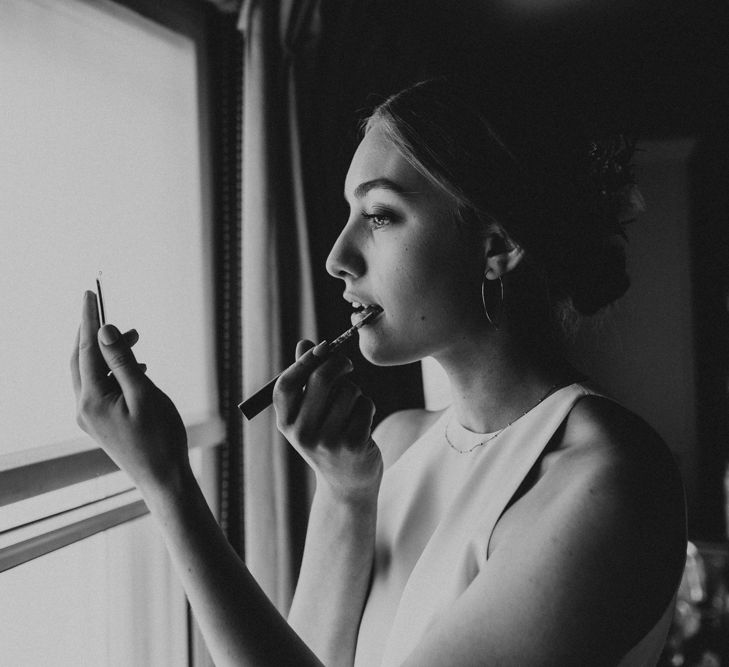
(35, 472)
(51, 502)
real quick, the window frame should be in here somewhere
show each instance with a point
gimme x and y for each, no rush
(56, 489)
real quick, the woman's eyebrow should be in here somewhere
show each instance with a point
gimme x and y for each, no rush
(385, 183)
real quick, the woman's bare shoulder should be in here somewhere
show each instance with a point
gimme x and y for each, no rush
(605, 441)
(615, 462)
(606, 452)
(396, 432)
(605, 519)
(601, 431)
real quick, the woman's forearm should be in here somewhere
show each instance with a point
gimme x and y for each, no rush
(240, 624)
(334, 578)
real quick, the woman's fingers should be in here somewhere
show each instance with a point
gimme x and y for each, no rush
(131, 337)
(343, 397)
(302, 347)
(321, 382)
(325, 416)
(120, 360)
(287, 394)
(91, 360)
(360, 420)
(91, 364)
(314, 404)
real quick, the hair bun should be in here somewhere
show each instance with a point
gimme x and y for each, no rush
(585, 190)
(597, 276)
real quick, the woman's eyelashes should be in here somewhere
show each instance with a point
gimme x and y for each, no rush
(379, 217)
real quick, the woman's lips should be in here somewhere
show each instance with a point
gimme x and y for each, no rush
(373, 311)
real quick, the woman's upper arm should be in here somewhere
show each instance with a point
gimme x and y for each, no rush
(580, 583)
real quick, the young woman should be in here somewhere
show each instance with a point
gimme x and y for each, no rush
(533, 522)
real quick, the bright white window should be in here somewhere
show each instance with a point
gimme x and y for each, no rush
(103, 168)
(100, 170)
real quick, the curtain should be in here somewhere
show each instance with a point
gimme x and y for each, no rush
(277, 293)
(309, 67)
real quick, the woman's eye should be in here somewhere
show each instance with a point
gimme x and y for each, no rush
(378, 219)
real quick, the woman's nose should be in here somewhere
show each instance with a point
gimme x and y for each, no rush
(345, 258)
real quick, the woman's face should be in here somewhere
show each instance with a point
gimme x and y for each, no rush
(402, 250)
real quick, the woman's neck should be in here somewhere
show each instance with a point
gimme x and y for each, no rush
(494, 381)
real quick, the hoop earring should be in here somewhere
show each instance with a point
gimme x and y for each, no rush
(493, 319)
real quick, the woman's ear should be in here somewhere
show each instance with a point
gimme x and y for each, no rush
(503, 254)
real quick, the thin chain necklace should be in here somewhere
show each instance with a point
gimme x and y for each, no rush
(500, 431)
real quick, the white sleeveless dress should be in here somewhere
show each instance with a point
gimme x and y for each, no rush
(436, 512)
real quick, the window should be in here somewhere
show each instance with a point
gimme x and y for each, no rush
(106, 167)
(103, 170)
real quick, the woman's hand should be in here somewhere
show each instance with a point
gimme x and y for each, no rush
(137, 424)
(328, 420)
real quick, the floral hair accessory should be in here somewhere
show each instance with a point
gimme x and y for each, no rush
(612, 175)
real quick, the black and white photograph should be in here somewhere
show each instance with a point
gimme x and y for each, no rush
(364, 333)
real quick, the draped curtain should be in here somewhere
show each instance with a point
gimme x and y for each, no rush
(278, 306)
(309, 68)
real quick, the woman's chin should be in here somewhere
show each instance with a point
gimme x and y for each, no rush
(380, 354)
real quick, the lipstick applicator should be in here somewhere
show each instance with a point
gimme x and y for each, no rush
(264, 396)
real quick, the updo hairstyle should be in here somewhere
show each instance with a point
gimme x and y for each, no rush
(556, 189)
